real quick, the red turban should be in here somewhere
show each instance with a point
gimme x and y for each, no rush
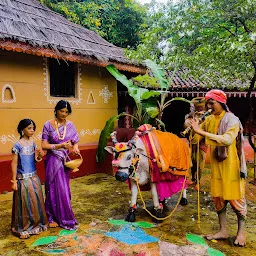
(217, 95)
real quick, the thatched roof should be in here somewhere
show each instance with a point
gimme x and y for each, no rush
(27, 26)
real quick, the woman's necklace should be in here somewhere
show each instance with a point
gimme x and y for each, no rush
(58, 132)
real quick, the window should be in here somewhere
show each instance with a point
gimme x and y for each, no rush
(62, 78)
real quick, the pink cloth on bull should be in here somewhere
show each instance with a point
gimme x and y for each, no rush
(166, 189)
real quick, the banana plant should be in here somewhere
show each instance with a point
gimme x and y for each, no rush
(146, 104)
(137, 93)
(164, 84)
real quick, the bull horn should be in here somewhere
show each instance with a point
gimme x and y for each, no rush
(133, 139)
(113, 137)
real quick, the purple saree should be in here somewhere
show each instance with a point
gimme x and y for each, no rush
(57, 189)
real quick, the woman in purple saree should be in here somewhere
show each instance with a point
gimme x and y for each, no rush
(58, 137)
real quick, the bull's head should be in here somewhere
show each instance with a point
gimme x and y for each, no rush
(124, 155)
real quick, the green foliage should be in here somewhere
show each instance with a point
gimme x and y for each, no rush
(152, 111)
(215, 40)
(104, 136)
(147, 107)
(134, 91)
(139, 95)
(146, 81)
(158, 72)
(118, 21)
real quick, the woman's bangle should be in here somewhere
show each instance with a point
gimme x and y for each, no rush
(14, 181)
(53, 146)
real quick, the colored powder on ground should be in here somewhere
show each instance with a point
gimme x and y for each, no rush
(196, 239)
(132, 235)
(45, 240)
(65, 232)
(141, 224)
(55, 251)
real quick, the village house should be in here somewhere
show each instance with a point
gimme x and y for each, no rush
(45, 58)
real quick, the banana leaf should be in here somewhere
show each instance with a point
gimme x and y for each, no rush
(158, 73)
(147, 95)
(104, 136)
(133, 90)
(152, 111)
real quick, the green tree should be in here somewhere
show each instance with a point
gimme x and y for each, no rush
(215, 40)
(118, 21)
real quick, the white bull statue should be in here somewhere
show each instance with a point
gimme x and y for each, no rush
(145, 158)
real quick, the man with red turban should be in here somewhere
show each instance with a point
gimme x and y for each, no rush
(222, 130)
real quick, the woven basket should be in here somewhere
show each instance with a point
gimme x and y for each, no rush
(73, 164)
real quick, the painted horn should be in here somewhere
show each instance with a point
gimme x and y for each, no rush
(113, 137)
(132, 141)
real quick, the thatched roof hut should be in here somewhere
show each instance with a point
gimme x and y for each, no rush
(29, 27)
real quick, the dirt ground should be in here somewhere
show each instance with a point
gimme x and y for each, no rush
(99, 197)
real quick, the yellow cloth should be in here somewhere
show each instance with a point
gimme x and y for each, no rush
(225, 175)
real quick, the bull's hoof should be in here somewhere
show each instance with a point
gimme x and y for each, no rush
(183, 201)
(164, 203)
(131, 217)
(159, 213)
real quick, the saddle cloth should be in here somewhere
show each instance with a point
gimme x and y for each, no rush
(170, 152)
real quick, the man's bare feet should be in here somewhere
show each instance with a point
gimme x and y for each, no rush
(53, 225)
(240, 240)
(218, 236)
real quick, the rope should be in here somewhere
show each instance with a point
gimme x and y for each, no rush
(144, 204)
(198, 184)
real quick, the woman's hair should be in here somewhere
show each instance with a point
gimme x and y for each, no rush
(23, 124)
(62, 104)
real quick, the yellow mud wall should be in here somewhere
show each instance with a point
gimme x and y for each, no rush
(24, 92)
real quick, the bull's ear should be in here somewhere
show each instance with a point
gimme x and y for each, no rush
(138, 151)
(109, 149)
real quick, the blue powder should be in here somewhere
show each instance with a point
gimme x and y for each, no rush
(132, 235)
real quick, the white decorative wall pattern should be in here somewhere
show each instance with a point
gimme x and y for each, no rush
(106, 94)
(89, 132)
(12, 138)
(5, 87)
(47, 85)
(91, 99)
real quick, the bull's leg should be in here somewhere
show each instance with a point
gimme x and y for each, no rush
(183, 200)
(158, 208)
(131, 214)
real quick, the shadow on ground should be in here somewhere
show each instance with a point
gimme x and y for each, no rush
(99, 197)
